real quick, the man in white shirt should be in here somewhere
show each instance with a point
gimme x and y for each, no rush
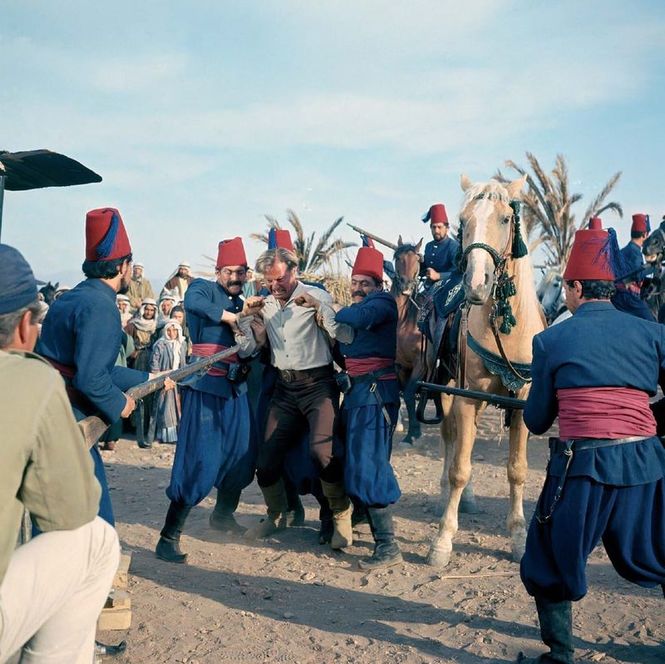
(300, 328)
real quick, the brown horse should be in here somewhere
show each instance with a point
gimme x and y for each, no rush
(409, 339)
(490, 230)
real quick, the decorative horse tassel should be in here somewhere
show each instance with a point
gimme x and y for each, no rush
(505, 289)
(519, 249)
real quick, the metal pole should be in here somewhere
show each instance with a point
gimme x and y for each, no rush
(2, 199)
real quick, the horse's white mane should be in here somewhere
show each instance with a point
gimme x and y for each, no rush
(492, 190)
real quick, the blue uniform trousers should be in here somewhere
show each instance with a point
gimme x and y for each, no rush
(105, 506)
(368, 476)
(630, 520)
(215, 447)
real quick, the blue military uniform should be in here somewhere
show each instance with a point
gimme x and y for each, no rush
(440, 256)
(615, 493)
(605, 478)
(368, 475)
(215, 446)
(627, 298)
(82, 335)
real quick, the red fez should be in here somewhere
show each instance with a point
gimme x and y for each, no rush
(369, 261)
(640, 224)
(105, 235)
(590, 257)
(279, 238)
(231, 252)
(436, 214)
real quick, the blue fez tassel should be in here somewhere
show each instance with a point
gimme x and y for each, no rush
(105, 247)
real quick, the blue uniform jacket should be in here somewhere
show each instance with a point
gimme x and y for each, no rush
(599, 347)
(440, 256)
(633, 263)
(205, 301)
(374, 321)
(82, 330)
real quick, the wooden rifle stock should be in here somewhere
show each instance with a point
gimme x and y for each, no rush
(94, 427)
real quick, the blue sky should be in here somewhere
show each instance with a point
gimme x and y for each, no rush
(203, 116)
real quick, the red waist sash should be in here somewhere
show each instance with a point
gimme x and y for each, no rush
(206, 350)
(604, 412)
(359, 366)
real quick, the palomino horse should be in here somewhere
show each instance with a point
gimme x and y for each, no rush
(501, 323)
(409, 340)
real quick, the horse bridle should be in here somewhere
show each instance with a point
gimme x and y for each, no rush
(499, 260)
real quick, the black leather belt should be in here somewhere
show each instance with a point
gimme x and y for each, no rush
(292, 375)
(568, 447)
(559, 445)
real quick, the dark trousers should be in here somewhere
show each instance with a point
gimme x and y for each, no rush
(629, 519)
(312, 402)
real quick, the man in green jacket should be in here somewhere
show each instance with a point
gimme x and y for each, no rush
(53, 588)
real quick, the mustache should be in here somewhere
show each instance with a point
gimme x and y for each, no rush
(358, 293)
(235, 283)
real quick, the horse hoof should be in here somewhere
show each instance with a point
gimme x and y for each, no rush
(438, 557)
(407, 440)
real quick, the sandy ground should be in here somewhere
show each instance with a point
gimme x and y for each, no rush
(289, 599)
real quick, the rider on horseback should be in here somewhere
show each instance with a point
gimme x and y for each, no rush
(629, 283)
(441, 252)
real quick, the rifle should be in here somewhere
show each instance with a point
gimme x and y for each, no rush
(94, 427)
(497, 400)
(376, 238)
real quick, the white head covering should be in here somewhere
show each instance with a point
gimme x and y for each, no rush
(174, 345)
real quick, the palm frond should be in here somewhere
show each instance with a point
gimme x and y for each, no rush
(292, 218)
(594, 209)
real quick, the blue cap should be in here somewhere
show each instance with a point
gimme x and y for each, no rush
(18, 286)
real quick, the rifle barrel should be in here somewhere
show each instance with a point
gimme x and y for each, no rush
(93, 427)
(495, 399)
(376, 238)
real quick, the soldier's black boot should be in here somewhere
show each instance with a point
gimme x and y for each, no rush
(386, 552)
(326, 518)
(359, 515)
(222, 517)
(295, 513)
(168, 547)
(556, 631)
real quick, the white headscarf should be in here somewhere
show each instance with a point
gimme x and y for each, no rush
(174, 345)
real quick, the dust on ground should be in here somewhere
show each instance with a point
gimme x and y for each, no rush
(289, 599)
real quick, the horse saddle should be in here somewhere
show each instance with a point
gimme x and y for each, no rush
(443, 298)
(442, 332)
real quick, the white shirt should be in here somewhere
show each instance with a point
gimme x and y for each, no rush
(296, 340)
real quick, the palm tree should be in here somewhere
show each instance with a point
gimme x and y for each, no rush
(311, 256)
(547, 207)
